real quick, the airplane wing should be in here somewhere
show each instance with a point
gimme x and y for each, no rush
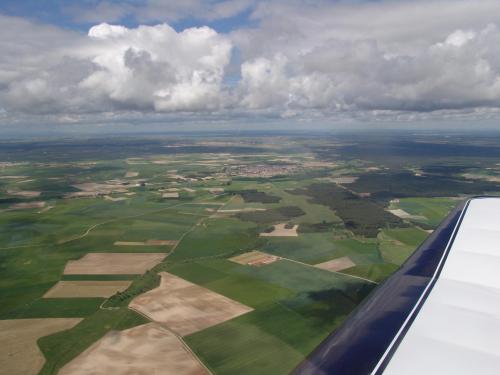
(438, 314)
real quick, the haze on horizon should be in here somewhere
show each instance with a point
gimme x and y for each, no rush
(155, 64)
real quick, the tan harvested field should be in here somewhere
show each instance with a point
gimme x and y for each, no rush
(131, 174)
(27, 205)
(20, 353)
(101, 188)
(254, 258)
(161, 162)
(146, 243)
(180, 177)
(112, 199)
(344, 180)
(318, 164)
(281, 231)
(13, 177)
(400, 213)
(147, 349)
(82, 194)
(185, 307)
(246, 209)
(86, 289)
(210, 203)
(24, 193)
(113, 263)
(405, 215)
(335, 265)
(215, 190)
(7, 164)
(170, 195)
(161, 242)
(473, 176)
(45, 209)
(136, 161)
(129, 243)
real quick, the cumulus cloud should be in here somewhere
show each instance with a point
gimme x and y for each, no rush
(150, 68)
(299, 59)
(461, 71)
(154, 67)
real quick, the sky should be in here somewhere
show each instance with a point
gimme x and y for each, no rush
(208, 63)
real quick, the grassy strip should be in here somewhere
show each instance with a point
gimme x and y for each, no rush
(148, 281)
(56, 308)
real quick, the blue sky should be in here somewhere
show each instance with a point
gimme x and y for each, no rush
(305, 62)
(64, 13)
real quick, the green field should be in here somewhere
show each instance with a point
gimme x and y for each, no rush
(244, 348)
(433, 210)
(396, 245)
(295, 307)
(315, 248)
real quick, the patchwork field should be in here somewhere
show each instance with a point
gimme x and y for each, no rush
(185, 307)
(142, 350)
(171, 226)
(113, 263)
(18, 339)
(294, 307)
(86, 288)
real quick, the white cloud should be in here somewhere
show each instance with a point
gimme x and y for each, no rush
(353, 58)
(150, 68)
(154, 67)
(459, 38)
(409, 60)
(264, 82)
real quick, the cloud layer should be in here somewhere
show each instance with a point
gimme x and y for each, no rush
(304, 60)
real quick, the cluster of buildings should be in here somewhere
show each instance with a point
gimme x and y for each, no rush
(262, 170)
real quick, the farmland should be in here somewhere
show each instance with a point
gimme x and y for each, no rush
(271, 243)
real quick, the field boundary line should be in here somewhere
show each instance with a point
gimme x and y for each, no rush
(197, 224)
(87, 232)
(335, 272)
